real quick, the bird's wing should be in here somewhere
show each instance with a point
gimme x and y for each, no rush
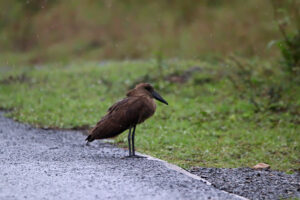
(118, 104)
(121, 116)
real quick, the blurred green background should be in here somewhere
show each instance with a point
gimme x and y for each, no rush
(47, 30)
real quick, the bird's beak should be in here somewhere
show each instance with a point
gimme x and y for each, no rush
(158, 97)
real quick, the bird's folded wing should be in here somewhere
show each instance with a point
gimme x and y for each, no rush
(121, 116)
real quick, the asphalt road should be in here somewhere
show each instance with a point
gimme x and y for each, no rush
(52, 164)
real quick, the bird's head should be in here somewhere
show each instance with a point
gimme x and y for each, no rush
(146, 89)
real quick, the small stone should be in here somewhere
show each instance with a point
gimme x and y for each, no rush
(261, 166)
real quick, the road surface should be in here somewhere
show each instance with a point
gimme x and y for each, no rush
(54, 164)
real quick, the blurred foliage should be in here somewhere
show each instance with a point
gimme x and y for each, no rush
(287, 15)
(45, 30)
(17, 25)
(257, 85)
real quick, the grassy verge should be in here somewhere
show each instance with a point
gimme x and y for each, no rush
(220, 115)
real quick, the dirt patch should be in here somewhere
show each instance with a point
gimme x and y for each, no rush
(183, 77)
(22, 78)
(178, 77)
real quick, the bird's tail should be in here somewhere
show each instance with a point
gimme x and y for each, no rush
(89, 138)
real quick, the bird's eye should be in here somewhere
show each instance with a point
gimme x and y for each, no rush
(148, 88)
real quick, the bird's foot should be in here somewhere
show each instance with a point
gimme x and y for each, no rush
(137, 156)
(134, 156)
(87, 143)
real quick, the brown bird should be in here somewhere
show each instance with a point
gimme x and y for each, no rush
(126, 114)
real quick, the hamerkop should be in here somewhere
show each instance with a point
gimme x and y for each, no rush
(126, 114)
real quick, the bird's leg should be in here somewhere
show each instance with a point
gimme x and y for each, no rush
(133, 132)
(129, 142)
(133, 149)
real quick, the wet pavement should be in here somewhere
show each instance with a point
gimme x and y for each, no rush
(55, 164)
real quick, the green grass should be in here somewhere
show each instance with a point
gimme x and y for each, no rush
(208, 122)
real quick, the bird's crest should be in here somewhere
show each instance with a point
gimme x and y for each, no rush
(140, 89)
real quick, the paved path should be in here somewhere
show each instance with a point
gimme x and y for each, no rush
(51, 164)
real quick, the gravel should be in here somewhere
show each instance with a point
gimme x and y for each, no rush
(251, 183)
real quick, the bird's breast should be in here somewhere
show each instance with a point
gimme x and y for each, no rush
(147, 110)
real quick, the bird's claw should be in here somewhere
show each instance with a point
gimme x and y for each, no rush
(134, 156)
